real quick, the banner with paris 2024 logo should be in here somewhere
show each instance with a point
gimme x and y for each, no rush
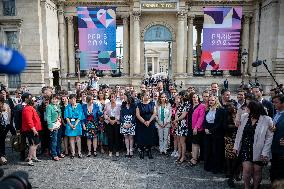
(221, 38)
(97, 37)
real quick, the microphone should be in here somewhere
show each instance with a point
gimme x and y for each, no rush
(11, 61)
(257, 63)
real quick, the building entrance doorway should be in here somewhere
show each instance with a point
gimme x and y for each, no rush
(158, 51)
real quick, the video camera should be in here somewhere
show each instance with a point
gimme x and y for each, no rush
(17, 180)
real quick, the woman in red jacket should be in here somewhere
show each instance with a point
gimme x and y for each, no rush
(30, 126)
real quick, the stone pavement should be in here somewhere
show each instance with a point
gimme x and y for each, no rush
(105, 172)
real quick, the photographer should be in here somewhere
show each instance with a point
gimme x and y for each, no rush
(93, 79)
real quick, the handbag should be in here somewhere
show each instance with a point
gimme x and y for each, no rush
(16, 143)
(57, 124)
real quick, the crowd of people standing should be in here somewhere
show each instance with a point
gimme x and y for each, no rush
(229, 136)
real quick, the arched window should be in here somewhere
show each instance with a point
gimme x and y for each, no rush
(158, 33)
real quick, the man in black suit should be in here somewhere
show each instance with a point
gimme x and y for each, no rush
(258, 92)
(277, 148)
(161, 89)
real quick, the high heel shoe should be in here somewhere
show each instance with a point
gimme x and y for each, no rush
(181, 161)
(89, 154)
(130, 154)
(191, 162)
(177, 160)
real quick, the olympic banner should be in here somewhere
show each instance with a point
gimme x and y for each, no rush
(97, 37)
(221, 38)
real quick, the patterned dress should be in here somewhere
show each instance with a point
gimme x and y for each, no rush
(127, 116)
(246, 152)
(182, 128)
(91, 127)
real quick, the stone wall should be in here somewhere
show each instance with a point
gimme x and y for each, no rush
(271, 41)
(50, 40)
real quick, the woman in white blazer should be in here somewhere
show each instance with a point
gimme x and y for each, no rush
(253, 142)
(163, 119)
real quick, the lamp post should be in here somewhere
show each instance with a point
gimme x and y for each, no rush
(244, 61)
(170, 71)
(120, 59)
(77, 57)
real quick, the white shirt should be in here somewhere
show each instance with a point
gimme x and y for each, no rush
(277, 116)
(210, 116)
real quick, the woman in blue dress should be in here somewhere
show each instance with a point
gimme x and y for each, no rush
(91, 112)
(74, 116)
(128, 123)
(145, 132)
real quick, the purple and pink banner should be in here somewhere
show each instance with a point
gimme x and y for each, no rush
(221, 38)
(97, 37)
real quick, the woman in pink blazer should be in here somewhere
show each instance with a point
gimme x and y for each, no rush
(198, 114)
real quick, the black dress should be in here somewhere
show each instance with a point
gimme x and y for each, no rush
(146, 135)
(246, 152)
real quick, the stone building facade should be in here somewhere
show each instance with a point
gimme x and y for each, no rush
(45, 31)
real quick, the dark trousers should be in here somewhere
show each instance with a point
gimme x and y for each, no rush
(113, 136)
(214, 153)
(55, 143)
(10, 128)
(277, 167)
(45, 140)
(23, 143)
(2, 141)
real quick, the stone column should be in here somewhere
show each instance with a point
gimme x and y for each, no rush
(158, 65)
(146, 67)
(245, 41)
(62, 41)
(198, 28)
(189, 70)
(153, 65)
(71, 48)
(180, 43)
(136, 40)
(125, 45)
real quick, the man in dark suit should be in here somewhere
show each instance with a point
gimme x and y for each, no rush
(161, 89)
(258, 92)
(277, 148)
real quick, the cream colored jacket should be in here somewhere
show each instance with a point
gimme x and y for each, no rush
(262, 136)
(168, 115)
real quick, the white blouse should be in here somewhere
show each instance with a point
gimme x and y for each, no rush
(210, 116)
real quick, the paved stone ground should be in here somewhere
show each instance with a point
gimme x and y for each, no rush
(105, 172)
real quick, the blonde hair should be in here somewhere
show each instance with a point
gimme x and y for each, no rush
(217, 102)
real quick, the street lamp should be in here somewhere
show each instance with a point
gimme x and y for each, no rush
(120, 60)
(77, 57)
(244, 61)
